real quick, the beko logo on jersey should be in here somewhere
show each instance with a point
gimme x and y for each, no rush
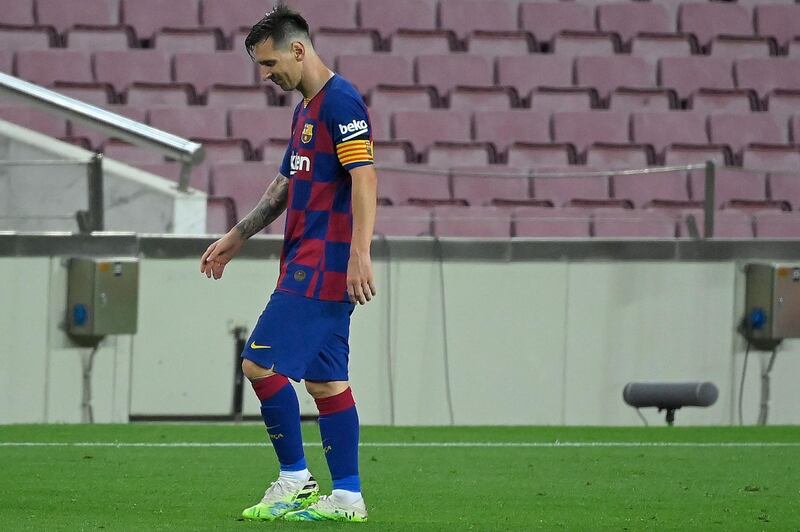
(355, 128)
(299, 163)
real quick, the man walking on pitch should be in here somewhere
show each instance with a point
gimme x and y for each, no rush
(327, 184)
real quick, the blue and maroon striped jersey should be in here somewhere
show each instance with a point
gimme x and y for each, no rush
(331, 135)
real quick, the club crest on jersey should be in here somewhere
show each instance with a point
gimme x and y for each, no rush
(308, 133)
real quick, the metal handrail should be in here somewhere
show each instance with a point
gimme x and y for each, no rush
(185, 151)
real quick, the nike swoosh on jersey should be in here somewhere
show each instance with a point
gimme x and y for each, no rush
(254, 345)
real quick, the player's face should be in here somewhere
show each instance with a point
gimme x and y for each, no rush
(283, 66)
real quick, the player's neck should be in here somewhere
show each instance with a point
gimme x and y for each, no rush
(314, 79)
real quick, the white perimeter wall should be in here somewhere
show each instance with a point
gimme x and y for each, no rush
(526, 343)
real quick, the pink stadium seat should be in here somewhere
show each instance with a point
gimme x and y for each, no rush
(457, 154)
(794, 127)
(619, 156)
(6, 61)
(381, 122)
(368, 71)
(585, 128)
(403, 220)
(737, 47)
(574, 43)
(739, 130)
(446, 71)
(782, 104)
(96, 137)
(785, 187)
(423, 128)
(723, 100)
(393, 152)
(387, 16)
(619, 223)
(528, 154)
(464, 98)
(609, 73)
(560, 190)
(687, 74)
(412, 43)
(629, 18)
(157, 94)
(465, 16)
(545, 20)
(27, 38)
(205, 69)
(231, 16)
(320, 14)
(244, 182)
(779, 21)
(98, 94)
(228, 96)
(545, 99)
(506, 127)
(221, 150)
(641, 189)
(34, 119)
(220, 216)
(17, 12)
(399, 186)
(777, 225)
(128, 153)
(708, 19)
(121, 69)
(479, 185)
(62, 15)
(184, 40)
(106, 38)
(535, 222)
(633, 99)
(731, 184)
(663, 129)
(190, 122)
(402, 97)
(500, 43)
(528, 72)
(172, 14)
(680, 154)
(261, 124)
(474, 222)
(44, 67)
(727, 224)
(329, 43)
(653, 46)
(775, 158)
(198, 179)
(274, 150)
(764, 75)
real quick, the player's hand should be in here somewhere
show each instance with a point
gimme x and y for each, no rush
(360, 283)
(220, 253)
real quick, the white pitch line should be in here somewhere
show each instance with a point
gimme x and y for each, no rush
(545, 445)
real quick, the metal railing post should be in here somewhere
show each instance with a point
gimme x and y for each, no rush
(710, 202)
(96, 207)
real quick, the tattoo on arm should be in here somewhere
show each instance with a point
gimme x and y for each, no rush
(272, 204)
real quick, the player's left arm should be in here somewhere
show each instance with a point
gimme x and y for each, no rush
(360, 281)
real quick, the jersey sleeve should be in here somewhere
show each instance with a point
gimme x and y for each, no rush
(285, 168)
(351, 131)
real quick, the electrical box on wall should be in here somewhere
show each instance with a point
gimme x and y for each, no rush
(772, 301)
(102, 296)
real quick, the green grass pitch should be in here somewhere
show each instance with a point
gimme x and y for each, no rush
(594, 479)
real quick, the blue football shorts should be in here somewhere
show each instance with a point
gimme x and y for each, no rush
(302, 338)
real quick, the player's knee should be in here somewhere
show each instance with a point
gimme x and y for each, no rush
(253, 371)
(321, 390)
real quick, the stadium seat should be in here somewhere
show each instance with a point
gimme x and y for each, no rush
(731, 184)
(723, 101)
(473, 222)
(222, 150)
(221, 14)
(739, 130)
(185, 40)
(220, 215)
(190, 122)
(781, 21)
(329, 43)
(368, 71)
(560, 190)
(261, 124)
(45, 67)
(687, 74)
(403, 220)
(106, 38)
(621, 223)
(98, 94)
(457, 154)
(545, 99)
(738, 47)
(777, 225)
(782, 104)
(27, 38)
(402, 98)
(480, 185)
(525, 73)
(663, 129)
(580, 43)
(393, 152)
(619, 156)
(585, 128)
(642, 189)
(653, 46)
(388, 16)
(609, 73)
(97, 137)
(764, 75)
(34, 119)
(412, 43)
(63, 15)
(381, 122)
(630, 18)
(128, 153)
(785, 187)
(708, 19)
(274, 150)
(121, 69)
(446, 71)
(503, 128)
(680, 154)
(172, 14)
(198, 178)
(465, 16)
(244, 182)
(157, 94)
(205, 69)
(17, 13)
(532, 154)
(533, 222)
(464, 98)
(320, 14)
(6, 61)
(794, 128)
(727, 224)
(400, 186)
(775, 158)
(633, 99)
(423, 128)
(228, 96)
(545, 20)
(500, 43)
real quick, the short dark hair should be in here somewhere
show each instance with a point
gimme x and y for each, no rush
(279, 24)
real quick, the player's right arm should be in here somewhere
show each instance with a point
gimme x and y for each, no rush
(271, 205)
